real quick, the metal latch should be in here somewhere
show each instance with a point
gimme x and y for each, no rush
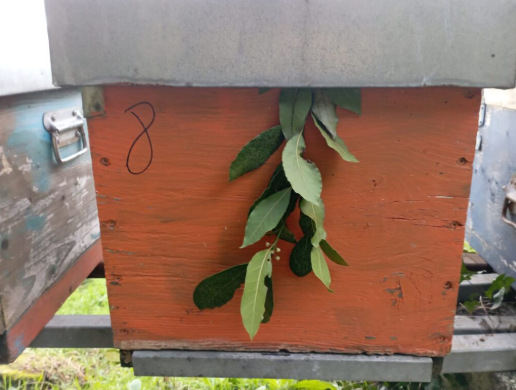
(509, 203)
(482, 113)
(66, 127)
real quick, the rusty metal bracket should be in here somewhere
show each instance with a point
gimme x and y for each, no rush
(509, 203)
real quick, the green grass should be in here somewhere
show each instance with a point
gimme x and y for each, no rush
(78, 369)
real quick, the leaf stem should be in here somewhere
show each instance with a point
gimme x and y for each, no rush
(273, 246)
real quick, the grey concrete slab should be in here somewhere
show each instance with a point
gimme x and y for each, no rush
(481, 353)
(484, 324)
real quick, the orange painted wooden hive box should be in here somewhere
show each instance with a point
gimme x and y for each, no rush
(170, 218)
(181, 98)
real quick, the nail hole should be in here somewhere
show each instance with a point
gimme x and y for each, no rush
(468, 93)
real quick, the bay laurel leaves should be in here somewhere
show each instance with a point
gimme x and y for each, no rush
(252, 306)
(294, 105)
(277, 183)
(320, 267)
(348, 98)
(316, 214)
(266, 216)
(306, 224)
(217, 290)
(336, 144)
(300, 261)
(269, 301)
(285, 234)
(332, 254)
(304, 176)
(324, 109)
(256, 152)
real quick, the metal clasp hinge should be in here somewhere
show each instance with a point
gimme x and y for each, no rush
(509, 203)
(66, 127)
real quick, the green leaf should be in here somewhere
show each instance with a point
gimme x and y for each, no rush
(300, 261)
(256, 152)
(307, 225)
(304, 176)
(277, 183)
(465, 274)
(471, 305)
(498, 299)
(261, 91)
(269, 301)
(266, 216)
(336, 144)
(252, 307)
(316, 214)
(332, 254)
(502, 281)
(294, 105)
(324, 109)
(348, 98)
(217, 290)
(320, 267)
(286, 234)
(314, 385)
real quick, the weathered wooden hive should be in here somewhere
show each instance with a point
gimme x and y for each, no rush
(169, 218)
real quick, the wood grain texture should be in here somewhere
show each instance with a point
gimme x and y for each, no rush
(397, 217)
(23, 332)
(48, 215)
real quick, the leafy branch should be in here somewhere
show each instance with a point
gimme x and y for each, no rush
(296, 182)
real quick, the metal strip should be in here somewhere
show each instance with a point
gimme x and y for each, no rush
(481, 353)
(25, 64)
(484, 325)
(283, 43)
(76, 331)
(282, 365)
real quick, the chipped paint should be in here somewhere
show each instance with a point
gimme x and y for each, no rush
(18, 345)
(27, 167)
(35, 222)
(6, 167)
(42, 197)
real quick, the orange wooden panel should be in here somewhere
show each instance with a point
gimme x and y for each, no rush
(397, 217)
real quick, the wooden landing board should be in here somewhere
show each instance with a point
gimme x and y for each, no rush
(48, 217)
(397, 217)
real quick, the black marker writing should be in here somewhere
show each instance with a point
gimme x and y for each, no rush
(146, 132)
